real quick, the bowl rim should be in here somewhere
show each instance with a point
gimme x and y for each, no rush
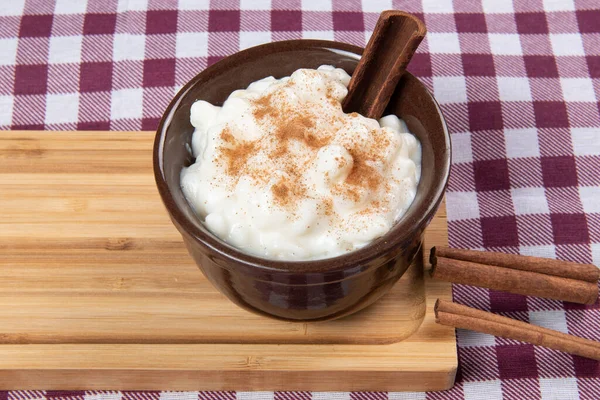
(360, 257)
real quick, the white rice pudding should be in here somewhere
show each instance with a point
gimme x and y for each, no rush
(283, 173)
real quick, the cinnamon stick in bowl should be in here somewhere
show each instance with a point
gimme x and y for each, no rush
(532, 276)
(463, 317)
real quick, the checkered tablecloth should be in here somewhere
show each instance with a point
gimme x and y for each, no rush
(518, 81)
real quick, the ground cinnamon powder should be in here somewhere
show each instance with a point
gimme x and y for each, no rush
(238, 154)
(293, 123)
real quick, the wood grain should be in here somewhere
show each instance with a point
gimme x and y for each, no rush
(97, 291)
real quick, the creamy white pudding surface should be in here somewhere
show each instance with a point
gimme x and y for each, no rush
(282, 173)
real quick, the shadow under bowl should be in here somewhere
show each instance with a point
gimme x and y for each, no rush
(300, 290)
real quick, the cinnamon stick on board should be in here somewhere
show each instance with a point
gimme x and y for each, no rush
(532, 276)
(463, 317)
(547, 266)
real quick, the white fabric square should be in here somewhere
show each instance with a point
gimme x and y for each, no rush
(194, 4)
(11, 7)
(255, 395)
(595, 253)
(62, 108)
(514, 89)
(65, 49)
(325, 35)
(331, 396)
(255, 4)
(316, 5)
(487, 390)
(376, 5)
(530, 201)
(250, 39)
(505, 44)
(178, 396)
(443, 43)
(6, 108)
(566, 44)
(438, 6)
(578, 89)
(590, 198)
(126, 104)
(192, 44)
(497, 6)
(104, 396)
(468, 338)
(132, 5)
(559, 388)
(128, 47)
(70, 7)
(586, 141)
(461, 148)
(462, 205)
(559, 5)
(450, 89)
(8, 51)
(522, 142)
(549, 319)
(545, 251)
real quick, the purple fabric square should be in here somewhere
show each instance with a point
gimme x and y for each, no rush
(150, 124)
(224, 20)
(559, 171)
(470, 22)
(420, 65)
(491, 175)
(162, 21)
(531, 23)
(27, 127)
(586, 367)
(569, 228)
(593, 63)
(478, 64)
(35, 25)
(499, 231)
(286, 20)
(99, 24)
(159, 72)
(348, 21)
(31, 79)
(93, 126)
(588, 21)
(541, 66)
(485, 115)
(550, 114)
(516, 361)
(53, 394)
(95, 77)
(507, 302)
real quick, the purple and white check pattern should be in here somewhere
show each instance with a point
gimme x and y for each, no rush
(518, 81)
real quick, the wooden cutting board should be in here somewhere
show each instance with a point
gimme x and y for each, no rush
(97, 291)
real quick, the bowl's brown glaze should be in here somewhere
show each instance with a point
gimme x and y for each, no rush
(300, 290)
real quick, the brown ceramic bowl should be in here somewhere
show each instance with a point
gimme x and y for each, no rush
(300, 290)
